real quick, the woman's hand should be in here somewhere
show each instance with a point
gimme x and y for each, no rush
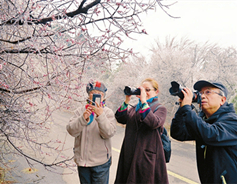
(87, 113)
(128, 98)
(142, 96)
(97, 109)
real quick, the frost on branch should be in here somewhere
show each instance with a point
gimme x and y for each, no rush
(48, 51)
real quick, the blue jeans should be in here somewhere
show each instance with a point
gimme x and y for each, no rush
(94, 175)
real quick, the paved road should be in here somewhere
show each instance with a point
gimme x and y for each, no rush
(181, 169)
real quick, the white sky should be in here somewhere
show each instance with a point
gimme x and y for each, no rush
(200, 20)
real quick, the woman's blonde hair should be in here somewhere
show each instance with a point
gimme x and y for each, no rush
(153, 83)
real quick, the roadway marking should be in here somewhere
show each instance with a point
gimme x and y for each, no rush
(170, 173)
(181, 177)
(117, 150)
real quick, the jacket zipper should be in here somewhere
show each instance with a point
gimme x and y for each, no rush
(223, 178)
(85, 148)
(106, 149)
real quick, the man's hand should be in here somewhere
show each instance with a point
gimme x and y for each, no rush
(188, 97)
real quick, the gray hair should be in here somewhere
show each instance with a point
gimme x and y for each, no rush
(222, 93)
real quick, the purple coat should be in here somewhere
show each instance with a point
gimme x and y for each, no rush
(142, 157)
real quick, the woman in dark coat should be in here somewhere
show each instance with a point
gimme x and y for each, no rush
(142, 157)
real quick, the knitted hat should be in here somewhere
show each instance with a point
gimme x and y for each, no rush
(96, 86)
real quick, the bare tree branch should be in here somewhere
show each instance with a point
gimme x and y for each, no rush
(46, 20)
(48, 51)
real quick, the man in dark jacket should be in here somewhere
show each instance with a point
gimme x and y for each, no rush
(214, 130)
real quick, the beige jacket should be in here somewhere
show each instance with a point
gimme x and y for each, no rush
(92, 145)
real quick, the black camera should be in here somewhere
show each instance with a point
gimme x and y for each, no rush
(176, 90)
(131, 91)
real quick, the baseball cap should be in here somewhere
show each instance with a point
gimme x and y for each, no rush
(96, 86)
(202, 83)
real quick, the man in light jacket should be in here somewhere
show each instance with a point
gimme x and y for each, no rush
(93, 126)
(214, 130)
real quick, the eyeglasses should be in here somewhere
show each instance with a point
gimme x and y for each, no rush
(209, 92)
(148, 90)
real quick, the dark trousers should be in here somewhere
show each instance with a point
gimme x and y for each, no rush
(95, 175)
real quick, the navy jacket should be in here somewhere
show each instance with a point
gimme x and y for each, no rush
(216, 141)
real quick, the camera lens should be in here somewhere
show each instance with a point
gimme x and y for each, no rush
(131, 91)
(176, 90)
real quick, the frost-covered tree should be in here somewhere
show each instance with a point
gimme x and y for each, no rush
(184, 61)
(49, 49)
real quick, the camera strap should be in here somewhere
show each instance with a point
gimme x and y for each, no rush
(154, 103)
(164, 137)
